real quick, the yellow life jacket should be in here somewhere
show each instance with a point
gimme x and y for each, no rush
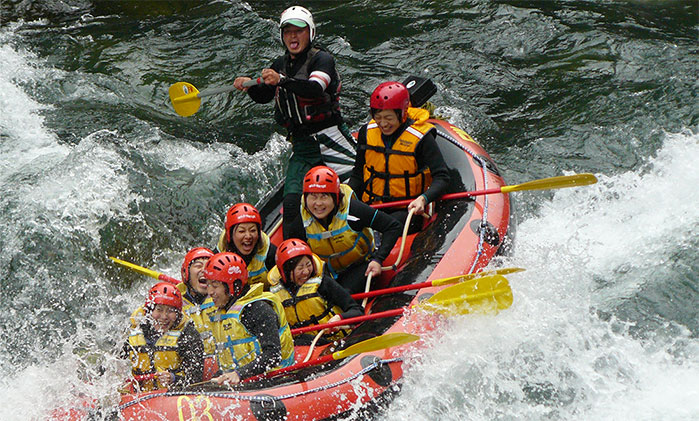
(392, 173)
(257, 272)
(200, 316)
(307, 307)
(235, 346)
(339, 245)
(162, 356)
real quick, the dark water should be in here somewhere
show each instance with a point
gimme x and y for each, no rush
(95, 163)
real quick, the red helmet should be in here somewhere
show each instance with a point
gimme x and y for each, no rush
(391, 96)
(289, 249)
(164, 293)
(239, 213)
(322, 179)
(228, 268)
(192, 255)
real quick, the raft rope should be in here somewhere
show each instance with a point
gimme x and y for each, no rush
(484, 219)
(367, 286)
(313, 345)
(263, 398)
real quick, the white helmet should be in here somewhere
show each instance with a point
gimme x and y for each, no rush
(297, 16)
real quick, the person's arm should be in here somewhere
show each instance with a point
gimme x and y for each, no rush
(337, 295)
(191, 351)
(363, 215)
(264, 93)
(428, 155)
(356, 180)
(270, 261)
(296, 229)
(261, 321)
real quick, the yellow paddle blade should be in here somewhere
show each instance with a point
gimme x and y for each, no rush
(184, 98)
(553, 183)
(137, 268)
(374, 344)
(482, 294)
(463, 278)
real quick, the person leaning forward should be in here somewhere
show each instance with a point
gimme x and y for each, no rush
(250, 327)
(309, 294)
(305, 85)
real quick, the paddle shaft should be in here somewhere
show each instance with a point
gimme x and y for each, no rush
(351, 320)
(374, 344)
(146, 271)
(362, 295)
(542, 184)
(318, 361)
(229, 88)
(435, 282)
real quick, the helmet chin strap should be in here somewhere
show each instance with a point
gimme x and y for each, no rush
(195, 295)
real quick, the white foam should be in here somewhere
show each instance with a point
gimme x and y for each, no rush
(24, 137)
(550, 356)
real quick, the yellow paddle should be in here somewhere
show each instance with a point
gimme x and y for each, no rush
(482, 294)
(542, 184)
(487, 293)
(374, 344)
(436, 282)
(186, 98)
(146, 271)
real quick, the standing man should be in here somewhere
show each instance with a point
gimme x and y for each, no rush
(305, 86)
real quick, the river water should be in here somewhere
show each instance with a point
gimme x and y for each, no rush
(95, 163)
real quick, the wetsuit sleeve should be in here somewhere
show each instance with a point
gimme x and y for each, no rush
(263, 94)
(191, 351)
(261, 321)
(337, 295)
(356, 180)
(324, 64)
(364, 215)
(428, 155)
(270, 261)
(296, 229)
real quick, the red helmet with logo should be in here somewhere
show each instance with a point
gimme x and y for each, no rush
(289, 249)
(322, 179)
(228, 268)
(192, 255)
(164, 293)
(239, 213)
(391, 96)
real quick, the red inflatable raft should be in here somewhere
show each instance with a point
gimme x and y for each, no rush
(460, 238)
